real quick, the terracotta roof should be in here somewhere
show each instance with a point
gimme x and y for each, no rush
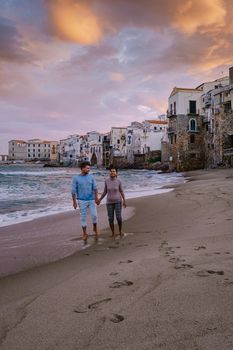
(19, 141)
(157, 121)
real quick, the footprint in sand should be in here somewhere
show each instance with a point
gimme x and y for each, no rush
(114, 273)
(200, 247)
(92, 306)
(206, 273)
(141, 245)
(117, 318)
(227, 282)
(183, 266)
(124, 283)
(126, 262)
(176, 260)
(96, 304)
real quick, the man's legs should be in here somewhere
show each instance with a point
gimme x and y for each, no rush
(83, 205)
(110, 210)
(118, 207)
(93, 212)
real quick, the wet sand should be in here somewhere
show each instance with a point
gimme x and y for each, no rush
(167, 285)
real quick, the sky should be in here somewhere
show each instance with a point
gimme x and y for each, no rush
(73, 66)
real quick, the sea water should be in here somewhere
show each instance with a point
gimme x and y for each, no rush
(31, 191)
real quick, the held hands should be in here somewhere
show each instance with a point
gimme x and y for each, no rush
(75, 205)
(97, 201)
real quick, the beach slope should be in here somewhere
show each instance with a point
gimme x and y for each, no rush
(167, 285)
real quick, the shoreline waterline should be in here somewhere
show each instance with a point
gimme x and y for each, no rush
(27, 193)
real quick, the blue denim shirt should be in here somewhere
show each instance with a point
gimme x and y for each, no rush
(84, 186)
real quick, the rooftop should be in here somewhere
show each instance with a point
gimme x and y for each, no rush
(157, 121)
(176, 90)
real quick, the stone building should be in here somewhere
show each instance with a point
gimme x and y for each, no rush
(17, 150)
(33, 150)
(42, 150)
(218, 122)
(106, 150)
(185, 131)
(3, 157)
(118, 141)
(95, 143)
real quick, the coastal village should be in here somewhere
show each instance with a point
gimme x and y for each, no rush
(196, 133)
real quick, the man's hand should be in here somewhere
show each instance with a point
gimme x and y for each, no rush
(97, 201)
(75, 204)
(124, 204)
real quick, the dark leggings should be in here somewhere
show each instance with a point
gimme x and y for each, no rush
(111, 207)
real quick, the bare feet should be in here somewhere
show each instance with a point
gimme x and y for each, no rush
(85, 239)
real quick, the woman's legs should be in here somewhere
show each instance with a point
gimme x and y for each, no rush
(110, 211)
(118, 207)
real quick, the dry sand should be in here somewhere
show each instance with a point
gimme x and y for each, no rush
(167, 285)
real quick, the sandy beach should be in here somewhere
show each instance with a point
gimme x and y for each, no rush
(168, 284)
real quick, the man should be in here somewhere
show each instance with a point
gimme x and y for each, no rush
(84, 190)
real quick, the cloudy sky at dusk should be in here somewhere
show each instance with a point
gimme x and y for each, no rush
(72, 66)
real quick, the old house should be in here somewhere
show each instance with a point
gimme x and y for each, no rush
(17, 150)
(218, 121)
(185, 131)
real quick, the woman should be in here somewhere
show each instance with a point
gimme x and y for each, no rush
(115, 196)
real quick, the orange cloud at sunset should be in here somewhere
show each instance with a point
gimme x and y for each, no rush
(74, 21)
(116, 76)
(192, 15)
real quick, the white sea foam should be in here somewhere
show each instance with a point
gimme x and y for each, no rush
(32, 173)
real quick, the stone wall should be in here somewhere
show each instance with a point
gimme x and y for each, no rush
(187, 155)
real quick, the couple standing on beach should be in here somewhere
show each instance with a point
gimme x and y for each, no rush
(85, 195)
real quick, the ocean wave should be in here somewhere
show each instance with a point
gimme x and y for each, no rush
(33, 173)
(21, 216)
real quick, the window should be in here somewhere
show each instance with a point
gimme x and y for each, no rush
(175, 107)
(171, 139)
(155, 127)
(171, 108)
(192, 107)
(192, 125)
(192, 138)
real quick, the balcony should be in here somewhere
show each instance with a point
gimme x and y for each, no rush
(171, 114)
(171, 130)
(207, 100)
(197, 129)
(228, 152)
(205, 119)
(193, 112)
